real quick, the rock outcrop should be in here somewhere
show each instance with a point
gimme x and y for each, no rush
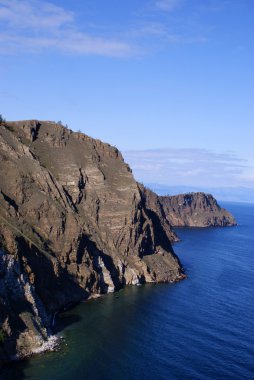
(153, 202)
(73, 223)
(195, 210)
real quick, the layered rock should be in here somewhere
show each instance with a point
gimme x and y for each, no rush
(195, 210)
(153, 202)
(24, 321)
(73, 223)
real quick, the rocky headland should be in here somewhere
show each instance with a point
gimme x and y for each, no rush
(195, 210)
(74, 224)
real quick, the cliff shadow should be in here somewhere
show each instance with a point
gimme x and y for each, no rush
(14, 370)
(160, 236)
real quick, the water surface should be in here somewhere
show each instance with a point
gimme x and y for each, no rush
(200, 328)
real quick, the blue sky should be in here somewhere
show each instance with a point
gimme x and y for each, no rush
(169, 82)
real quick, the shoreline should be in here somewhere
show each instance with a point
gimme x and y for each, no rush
(54, 342)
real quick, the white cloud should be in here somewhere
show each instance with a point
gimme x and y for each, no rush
(34, 14)
(33, 26)
(197, 167)
(77, 43)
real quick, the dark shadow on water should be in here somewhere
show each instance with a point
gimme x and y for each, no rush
(64, 320)
(14, 370)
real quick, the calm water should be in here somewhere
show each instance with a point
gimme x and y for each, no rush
(201, 328)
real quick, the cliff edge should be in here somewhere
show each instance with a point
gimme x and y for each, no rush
(195, 210)
(73, 224)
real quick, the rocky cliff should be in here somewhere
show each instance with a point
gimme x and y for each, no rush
(73, 223)
(195, 210)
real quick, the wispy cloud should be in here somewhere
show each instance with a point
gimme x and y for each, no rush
(216, 5)
(188, 167)
(163, 32)
(34, 14)
(248, 177)
(158, 25)
(33, 26)
(167, 5)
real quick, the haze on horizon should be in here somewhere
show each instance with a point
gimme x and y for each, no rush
(169, 82)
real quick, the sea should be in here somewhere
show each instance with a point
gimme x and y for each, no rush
(199, 328)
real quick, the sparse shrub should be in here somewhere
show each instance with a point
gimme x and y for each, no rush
(62, 124)
(2, 119)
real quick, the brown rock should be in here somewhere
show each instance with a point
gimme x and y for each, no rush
(73, 223)
(195, 210)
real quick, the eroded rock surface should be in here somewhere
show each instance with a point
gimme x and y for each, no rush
(73, 223)
(195, 210)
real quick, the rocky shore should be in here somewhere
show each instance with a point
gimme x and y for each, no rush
(74, 224)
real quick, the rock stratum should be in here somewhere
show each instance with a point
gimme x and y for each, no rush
(73, 224)
(195, 210)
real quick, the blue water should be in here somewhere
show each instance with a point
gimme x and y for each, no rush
(200, 328)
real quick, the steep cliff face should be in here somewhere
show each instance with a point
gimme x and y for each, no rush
(195, 210)
(153, 202)
(73, 223)
(24, 321)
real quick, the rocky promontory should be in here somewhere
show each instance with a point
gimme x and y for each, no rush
(195, 210)
(73, 224)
